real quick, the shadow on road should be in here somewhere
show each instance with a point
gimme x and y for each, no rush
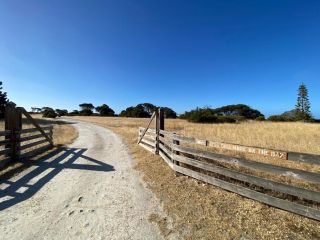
(42, 171)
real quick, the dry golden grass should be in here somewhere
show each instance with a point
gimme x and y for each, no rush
(202, 211)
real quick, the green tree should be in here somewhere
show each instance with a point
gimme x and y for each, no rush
(86, 109)
(49, 113)
(105, 110)
(62, 112)
(3, 101)
(303, 105)
(169, 113)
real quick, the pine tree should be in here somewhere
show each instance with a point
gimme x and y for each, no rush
(3, 101)
(303, 105)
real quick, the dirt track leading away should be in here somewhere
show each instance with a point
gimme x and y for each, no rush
(86, 191)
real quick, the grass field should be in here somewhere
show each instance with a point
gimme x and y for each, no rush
(201, 211)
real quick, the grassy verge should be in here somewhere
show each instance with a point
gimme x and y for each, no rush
(202, 211)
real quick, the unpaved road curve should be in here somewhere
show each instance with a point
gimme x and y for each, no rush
(88, 191)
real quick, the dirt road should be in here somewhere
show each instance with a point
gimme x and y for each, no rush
(86, 191)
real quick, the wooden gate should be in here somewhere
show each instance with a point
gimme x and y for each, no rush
(18, 141)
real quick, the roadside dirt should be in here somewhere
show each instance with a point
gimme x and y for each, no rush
(88, 190)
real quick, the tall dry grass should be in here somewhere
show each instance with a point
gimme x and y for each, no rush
(298, 137)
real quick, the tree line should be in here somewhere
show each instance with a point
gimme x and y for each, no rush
(228, 113)
(143, 110)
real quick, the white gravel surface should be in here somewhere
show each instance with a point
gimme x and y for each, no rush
(87, 191)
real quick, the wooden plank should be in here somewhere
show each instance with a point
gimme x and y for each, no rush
(166, 159)
(13, 122)
(165, 141)
(5, 151)
(151, 143)
(229, 146)
(37, 150)
(36, 125)
(272, 201)
(276, 186)
(28, 138)
(145, 130)
(247, 149)
(4, 142)
(5, 162)
(31, 130)
(148, 135)
(23, 147)
(303, 157)
(165, 150)
(150, 149)
(283, 171)
(150, 130)
(5, 133)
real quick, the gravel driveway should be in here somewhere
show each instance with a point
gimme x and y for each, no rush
(86, 191)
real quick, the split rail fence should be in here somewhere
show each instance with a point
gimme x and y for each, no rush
(17, 143)
(218, 169)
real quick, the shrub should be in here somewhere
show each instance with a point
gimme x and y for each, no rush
(260, 118)
(145, 110)
(277, 118)
(62, 112)
(105, 110)
(49, 113)
(73, 113)
(225, 114)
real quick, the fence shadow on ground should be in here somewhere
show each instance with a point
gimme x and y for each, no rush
(42, 171)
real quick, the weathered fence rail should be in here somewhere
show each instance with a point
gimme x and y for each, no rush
(18, 142)
(208, 166)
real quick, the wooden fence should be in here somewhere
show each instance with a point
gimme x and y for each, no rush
(16, 142)
(218, 169)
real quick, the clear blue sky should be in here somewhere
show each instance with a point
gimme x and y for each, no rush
(180, 54)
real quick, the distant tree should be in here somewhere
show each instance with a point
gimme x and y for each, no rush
(61, 112)
(228, 114)
(86, 109)
(105, 110)
(73, 113)
(45, 108)
(238, 110)
(3, 101)
(303, 105)
(49, 113)
(148, 107)
(169, 113)
(137, 112)
(35, 110)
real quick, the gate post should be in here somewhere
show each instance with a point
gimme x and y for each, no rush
(159, 126)
(13, 123)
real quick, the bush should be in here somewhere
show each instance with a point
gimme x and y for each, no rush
(62, 112)
(73, 113)
(49, 113)
(260, 118)
(277, 118)
(86, 112)
(105, 110)
(225, 114)
(145, 110)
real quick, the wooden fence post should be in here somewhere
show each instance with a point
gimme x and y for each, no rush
(176, 142)
(157, 132)
(159, 126)
(13, 123)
